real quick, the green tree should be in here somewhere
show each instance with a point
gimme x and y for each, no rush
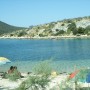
(87, 30)
(21, 33)
(80, 30)
(41, 35)
(74, 31)
(60, 32)
(72, 27)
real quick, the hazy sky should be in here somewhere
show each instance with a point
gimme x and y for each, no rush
(35, 12)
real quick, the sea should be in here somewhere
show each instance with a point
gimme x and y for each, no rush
(64, 55)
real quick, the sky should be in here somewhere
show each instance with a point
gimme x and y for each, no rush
(25, 13)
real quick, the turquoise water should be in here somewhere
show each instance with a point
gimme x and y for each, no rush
(64, 53)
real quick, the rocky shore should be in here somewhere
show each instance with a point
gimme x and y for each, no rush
(47, 37)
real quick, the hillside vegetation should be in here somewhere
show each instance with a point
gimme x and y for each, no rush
(6, 28)
(76, 26)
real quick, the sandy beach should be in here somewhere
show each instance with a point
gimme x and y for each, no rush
(6, 84)
(55, 83)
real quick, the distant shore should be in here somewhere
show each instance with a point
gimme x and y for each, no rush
(47, 37)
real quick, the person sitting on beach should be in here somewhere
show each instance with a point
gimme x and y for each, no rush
(11, 70)
(7, 74)
(17, 73)
(13, 74)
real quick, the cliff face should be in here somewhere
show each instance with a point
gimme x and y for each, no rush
(74, 26)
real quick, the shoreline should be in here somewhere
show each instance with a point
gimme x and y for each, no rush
(48, 37)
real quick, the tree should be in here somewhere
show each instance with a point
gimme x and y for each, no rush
(80, 30)
(74, 31)
(87, 30)
(60, 32)
(72, 27)
(21, 33)
(41, 35)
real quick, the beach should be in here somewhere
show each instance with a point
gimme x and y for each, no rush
(57, 82)
(6, 84)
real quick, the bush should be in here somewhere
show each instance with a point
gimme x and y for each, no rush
(43, 68)
(34, 83)
(40, 80)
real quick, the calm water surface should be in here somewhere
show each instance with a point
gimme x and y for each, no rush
(64, 52)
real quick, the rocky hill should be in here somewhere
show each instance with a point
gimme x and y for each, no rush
(75, 26)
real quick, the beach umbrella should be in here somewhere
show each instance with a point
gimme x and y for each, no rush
(3, 60)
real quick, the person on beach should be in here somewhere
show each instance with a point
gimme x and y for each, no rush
(11, 70)
(12, 73)
(17, 73)
(8, 73)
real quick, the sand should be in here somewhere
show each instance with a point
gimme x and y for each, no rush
(6, 84)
